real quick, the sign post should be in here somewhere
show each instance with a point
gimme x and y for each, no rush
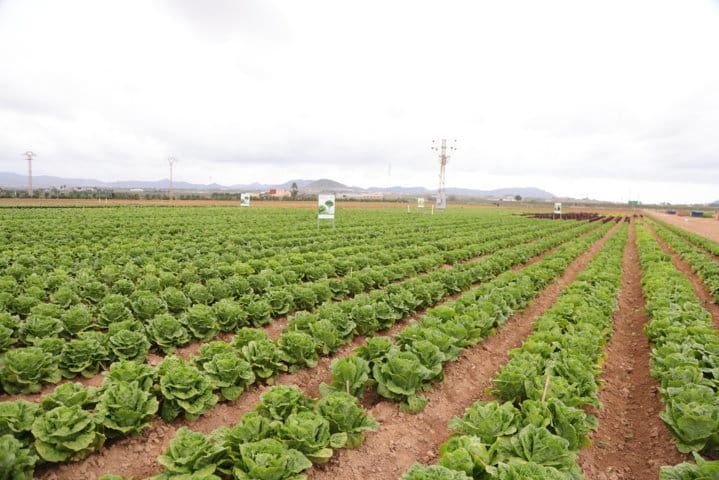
(558, 209)
(325, 208)
(244, 199)
(420, 202)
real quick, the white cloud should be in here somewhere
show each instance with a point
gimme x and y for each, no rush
(570, 96)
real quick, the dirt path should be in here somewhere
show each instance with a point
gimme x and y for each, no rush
(404, 438)
(707, 227)
(137, 456)
(700, 290)
(631, 442)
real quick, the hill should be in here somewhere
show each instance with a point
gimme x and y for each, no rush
(323, 185)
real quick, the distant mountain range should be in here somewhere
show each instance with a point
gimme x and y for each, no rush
(14, 180)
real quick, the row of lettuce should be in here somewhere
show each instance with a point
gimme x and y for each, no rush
(702, 263)
(684, 358)
(401, 367)
(537, 431)
(68, 304)
(222, 370)
(53, 356)
(537, 424)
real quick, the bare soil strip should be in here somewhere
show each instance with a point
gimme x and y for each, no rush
(700, 290)
(137, 456)
(631, 442)
(707, 227)
(405, 438)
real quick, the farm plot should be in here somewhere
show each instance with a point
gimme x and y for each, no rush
(220, 343)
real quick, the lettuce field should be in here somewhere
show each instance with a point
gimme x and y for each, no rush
(207, 343)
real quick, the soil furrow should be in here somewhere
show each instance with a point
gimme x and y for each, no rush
(405, 438)
(631, 442)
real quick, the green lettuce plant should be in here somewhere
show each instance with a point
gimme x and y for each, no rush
(84, 356)
(400, 377)
(247, 335)
(309, 433)
(433, 472)
(69, 395)
(487, 420)
(175, 299)
(701, 470)
(16, 461)
(130, 371)
(280, 402)
(230, 315)
(468, 454)
(190, 455)
(347, 419)
(147, 305)
(264, 358)
(270, 459)
(76, 319)
(36, 327)
(129, 345)
(298, 350)
(167, 333)
(200, 322)
(113, 312)
(184, 389)
(25, 370)
(126, 408)
(16, 418)
(229, 373)
(349, 375)
(66, 434)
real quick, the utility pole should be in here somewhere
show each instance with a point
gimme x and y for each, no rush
(171, 161)
(443, 158)
(29, 156)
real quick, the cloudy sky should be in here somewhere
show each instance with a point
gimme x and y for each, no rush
(610, 99)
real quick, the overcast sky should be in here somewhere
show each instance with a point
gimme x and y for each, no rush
(608, 99)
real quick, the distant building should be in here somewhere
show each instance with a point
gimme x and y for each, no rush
(279, 193)
(363, 196)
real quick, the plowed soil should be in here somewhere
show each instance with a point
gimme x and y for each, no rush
(708, 227)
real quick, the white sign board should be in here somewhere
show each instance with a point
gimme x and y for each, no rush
(244, 200)
(558, 208)
(420, 202)
(326, 206)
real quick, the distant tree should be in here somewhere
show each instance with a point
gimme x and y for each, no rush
(518, 198)
(293, 190)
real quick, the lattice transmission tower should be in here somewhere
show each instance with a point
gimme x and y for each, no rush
(442, 148)
(28, 156)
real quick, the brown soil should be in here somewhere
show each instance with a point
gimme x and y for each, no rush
(700, 290)
(137, 456)
(631, 442)
(404, 438)
(708, 227)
